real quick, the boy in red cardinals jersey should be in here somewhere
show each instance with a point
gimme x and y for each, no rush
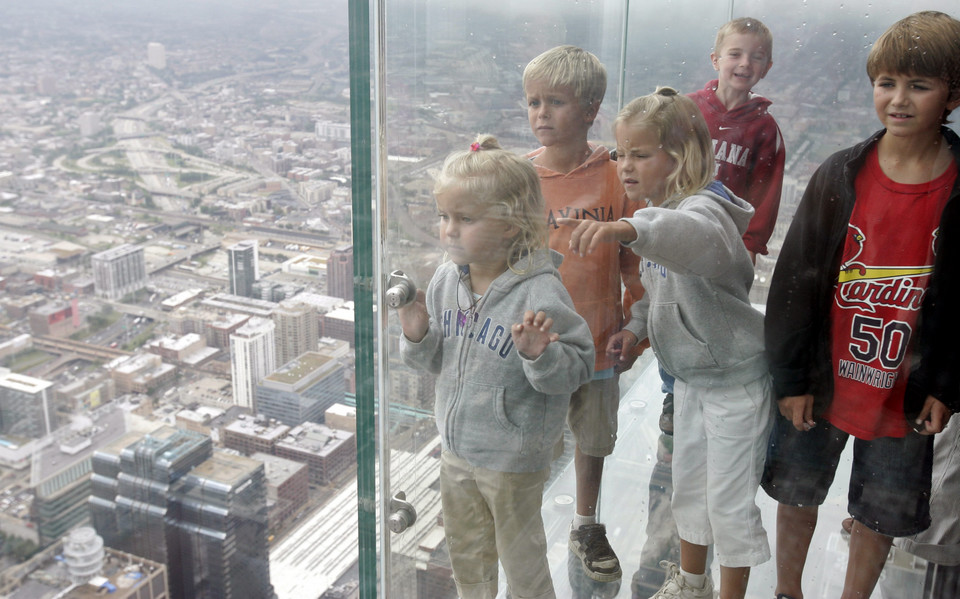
(871, 244)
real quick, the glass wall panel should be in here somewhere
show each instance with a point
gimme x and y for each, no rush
(454, 71)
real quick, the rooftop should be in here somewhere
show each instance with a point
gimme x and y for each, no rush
(225, 468)
(300, 369)
(22, 382)
(103, 428)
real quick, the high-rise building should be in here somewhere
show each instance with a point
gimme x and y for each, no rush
(25, 405)
(253, 355)
(340, 273)
(328, 452)
(339, 323)
(169, 497)
(288, 487)
(156, 55)
(119, 271)
(253, 435)
(301, 390)
(298, 329)
(60, 472)
(243, 268)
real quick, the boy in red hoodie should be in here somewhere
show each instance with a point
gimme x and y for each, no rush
(747, 144)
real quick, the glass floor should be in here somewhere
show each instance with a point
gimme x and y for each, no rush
(635, 506)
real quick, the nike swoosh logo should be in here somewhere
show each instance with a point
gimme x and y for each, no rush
(724, 128)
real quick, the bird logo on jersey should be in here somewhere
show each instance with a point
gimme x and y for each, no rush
(869, 287)
(851, 249)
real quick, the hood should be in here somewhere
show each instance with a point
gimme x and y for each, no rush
(542, 262)
(599, 157)
(754, 107)
(739, 209)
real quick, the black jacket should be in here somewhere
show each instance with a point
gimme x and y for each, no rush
(797, 323)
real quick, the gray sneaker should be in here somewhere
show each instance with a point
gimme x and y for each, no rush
(590, 544)
(676, 587)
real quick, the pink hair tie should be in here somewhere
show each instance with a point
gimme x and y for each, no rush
(475, 147)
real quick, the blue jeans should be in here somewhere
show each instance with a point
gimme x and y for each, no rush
(666, 380)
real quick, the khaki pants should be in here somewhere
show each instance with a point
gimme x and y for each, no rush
(490, 515)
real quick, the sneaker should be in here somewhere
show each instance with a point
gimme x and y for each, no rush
(666, 416)
(676, 587)
(665, 448)
(589, 543)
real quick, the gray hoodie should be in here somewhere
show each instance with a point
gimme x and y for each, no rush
(697, 274)
(495, 408)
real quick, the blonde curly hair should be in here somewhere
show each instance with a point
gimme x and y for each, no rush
(503, 183)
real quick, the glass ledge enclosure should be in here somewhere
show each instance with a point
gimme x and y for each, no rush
(201, 205)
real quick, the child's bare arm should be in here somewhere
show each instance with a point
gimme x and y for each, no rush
(414, 319)
(532, 336)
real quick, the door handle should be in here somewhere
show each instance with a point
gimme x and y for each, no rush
(402, 513)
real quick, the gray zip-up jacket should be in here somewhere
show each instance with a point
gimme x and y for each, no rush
(697, 274)
(495, 408)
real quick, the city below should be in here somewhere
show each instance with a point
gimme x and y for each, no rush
(177, 372)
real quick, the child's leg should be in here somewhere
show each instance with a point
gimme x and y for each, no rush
(889, 492)
(515, 500)
(689, 500)
(693, 557)
(799, 470)
(795, 526)
(868, 554)
(737, 421)
(592, 418)
(667, 383)
(469, 530)
(733, 582)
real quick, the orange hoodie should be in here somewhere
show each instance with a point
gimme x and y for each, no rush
(593, 191)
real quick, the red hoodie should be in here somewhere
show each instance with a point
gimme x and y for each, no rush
(749, 151)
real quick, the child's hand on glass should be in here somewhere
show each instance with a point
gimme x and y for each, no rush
(532, 336)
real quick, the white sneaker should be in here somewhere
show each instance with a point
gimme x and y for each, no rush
(676, 586)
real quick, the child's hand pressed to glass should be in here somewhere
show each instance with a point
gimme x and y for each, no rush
(532, 336)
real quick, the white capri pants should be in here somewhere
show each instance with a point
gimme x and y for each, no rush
(719, 448)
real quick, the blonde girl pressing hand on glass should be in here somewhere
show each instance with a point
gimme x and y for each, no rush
(500, 331)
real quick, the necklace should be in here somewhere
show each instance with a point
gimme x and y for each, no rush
(463, 313)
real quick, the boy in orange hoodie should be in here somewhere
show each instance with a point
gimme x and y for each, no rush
(563, 88)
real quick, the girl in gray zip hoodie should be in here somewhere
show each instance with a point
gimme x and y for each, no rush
(499, 328)
(697, 315)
